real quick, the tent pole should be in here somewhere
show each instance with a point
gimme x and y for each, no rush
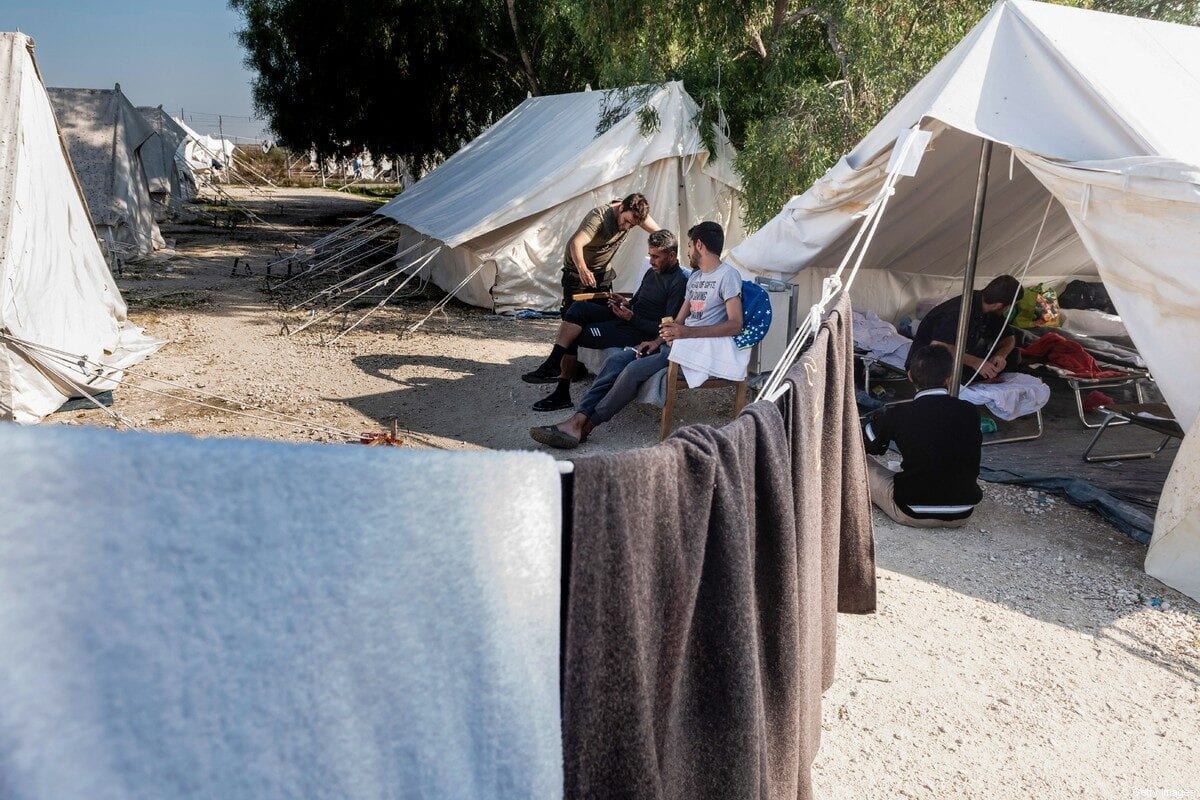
(964, 309)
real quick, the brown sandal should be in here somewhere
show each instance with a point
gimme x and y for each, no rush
(553, 437)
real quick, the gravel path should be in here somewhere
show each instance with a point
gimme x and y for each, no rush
(1027, 655)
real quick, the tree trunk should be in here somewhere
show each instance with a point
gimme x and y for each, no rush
(534, 86)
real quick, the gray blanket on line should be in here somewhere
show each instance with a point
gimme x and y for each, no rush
(186, 618)
(833, 505)
(684, 674)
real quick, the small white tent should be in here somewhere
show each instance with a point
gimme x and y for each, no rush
(504, 206)
(55, 289)
(1099, 112)
(104, 134)
(168, 175)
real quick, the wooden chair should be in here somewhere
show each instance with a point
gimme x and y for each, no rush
(675, 381)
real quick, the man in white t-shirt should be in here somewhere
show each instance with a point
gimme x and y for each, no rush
(712, 306)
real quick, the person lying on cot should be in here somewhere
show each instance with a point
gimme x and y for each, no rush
(987, 350)
(712, 306)
(939, 442)
(620, 323)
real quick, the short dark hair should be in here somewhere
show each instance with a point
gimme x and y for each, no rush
(639, 205)
(930, 367)
(1003, 289)
(664, 240)
(711, 234)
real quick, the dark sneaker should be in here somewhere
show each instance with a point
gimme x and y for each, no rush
(554, 402)
(542, 374)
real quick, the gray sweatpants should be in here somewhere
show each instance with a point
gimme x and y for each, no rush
(618, 382)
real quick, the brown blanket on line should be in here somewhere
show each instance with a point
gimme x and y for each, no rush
(683, 672)
(833, 505)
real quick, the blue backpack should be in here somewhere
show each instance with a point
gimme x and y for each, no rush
(756, 315)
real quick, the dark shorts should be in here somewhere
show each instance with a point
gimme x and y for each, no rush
(571, 285)
(601, 328)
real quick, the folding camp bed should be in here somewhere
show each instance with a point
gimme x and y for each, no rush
(875, 368)
(1132, 376)
(1156, 417)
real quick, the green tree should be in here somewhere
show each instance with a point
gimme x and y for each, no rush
(409, 78)
(799, 84)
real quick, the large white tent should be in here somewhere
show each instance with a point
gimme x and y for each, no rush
(104, 134)
(56, 290)
(1093, 114)
(504, 206)
(168, 175)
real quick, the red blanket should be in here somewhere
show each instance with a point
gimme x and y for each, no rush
(1058, 351)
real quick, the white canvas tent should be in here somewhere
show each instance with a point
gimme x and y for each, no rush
(504, 206)
(104, 134)
(55, 289)
(1098, 112)
(168, 175)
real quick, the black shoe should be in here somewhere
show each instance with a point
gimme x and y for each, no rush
(553, 403)
(542, 374)
(581, 373)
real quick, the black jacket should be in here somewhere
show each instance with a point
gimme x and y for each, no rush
(660, 295)
(939, 439)
(941, 325)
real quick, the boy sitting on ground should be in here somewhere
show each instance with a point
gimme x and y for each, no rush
(939, 441)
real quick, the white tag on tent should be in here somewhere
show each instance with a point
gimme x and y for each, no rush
(908, 150)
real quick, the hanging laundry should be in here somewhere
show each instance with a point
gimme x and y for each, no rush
(833, 504)
(685, 674)
(244, 619)
(1058, 351)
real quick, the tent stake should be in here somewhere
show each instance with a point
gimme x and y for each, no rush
(964, 309)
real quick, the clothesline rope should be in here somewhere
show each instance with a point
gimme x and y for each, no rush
(833, 286)
(1017, 295)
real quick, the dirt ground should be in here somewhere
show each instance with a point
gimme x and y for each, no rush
(1027, 655)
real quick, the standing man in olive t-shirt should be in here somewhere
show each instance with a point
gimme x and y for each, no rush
(592, 247)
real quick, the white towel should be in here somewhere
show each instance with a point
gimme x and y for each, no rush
(186, 618)
(1015, 395)
(709, 357)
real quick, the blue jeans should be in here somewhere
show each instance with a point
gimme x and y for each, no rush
(618, 382)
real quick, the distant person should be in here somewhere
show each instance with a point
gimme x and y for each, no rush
(712, 306)
(620, 323)
(591, 248)
(356, 165)
(939, 441)
(989, 319)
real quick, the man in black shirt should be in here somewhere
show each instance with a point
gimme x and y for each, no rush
(620, 323)
(987, 349)
(939, 441)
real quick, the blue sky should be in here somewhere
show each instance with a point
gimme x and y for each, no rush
(169, 52)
